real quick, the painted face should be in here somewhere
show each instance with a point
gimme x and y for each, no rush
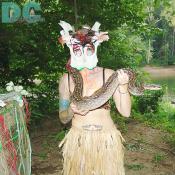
(83, 56)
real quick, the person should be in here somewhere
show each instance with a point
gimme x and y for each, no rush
(93, 145)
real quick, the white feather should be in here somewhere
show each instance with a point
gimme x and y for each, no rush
(66, 27)
(62, 32)
(96, 27)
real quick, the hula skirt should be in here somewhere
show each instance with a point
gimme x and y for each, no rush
(93, 152)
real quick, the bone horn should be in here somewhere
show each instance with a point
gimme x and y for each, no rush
(96, 27)
(66, 26)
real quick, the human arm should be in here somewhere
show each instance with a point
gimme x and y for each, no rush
(65, 111)
(66, 108)
(121, 96)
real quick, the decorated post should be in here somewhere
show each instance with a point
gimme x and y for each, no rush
(15, 147)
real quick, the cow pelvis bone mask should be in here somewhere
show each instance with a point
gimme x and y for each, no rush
(82, 44)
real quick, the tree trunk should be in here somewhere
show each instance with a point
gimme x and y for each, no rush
(76, 13)
(172, 53)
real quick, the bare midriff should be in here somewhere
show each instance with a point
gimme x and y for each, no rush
(94, 120)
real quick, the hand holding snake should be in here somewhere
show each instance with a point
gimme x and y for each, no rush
(78, 111)
(123, 80)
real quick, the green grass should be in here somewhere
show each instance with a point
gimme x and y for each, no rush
(135, 167)
(59, 136)
(163, 119)
(42, 155)
(158, 157)
(134, 147)
(170, 140)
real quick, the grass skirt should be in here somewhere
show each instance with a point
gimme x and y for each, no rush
(99, 152)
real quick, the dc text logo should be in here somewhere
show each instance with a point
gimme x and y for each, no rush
(11, 12)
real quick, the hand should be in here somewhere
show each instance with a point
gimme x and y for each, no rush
(123, 77)
(77, 111)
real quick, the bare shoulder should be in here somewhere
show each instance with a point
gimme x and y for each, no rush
(108, 73)
(63, 78)
(63, 81)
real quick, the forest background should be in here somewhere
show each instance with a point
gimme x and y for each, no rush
(142, 33)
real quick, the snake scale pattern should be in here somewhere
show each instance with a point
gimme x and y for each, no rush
(102, 95)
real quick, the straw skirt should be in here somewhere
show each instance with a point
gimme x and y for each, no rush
(93, 152)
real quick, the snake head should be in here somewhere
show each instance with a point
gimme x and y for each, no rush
(137, 90)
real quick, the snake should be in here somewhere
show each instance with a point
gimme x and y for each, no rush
(103, 94)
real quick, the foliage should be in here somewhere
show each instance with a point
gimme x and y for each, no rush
(166, 114)
(158, 158)
(148, 103)
(170, 140)
(133, 146)
(163, 118)
(30, 52)
(135, 167)
(2, 90)
(164, 41)
(129, 49)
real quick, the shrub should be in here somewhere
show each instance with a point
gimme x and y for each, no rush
(149, 102)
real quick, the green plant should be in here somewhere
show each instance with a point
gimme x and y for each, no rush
(170, 139)
(158, 157)
(2, 90)
(59, 136)
(149, 102)
(135, 167)
(133, 147)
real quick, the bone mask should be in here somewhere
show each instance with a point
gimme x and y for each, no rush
(83, 47)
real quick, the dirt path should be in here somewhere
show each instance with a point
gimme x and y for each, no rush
(164, 71)
(146, 152)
